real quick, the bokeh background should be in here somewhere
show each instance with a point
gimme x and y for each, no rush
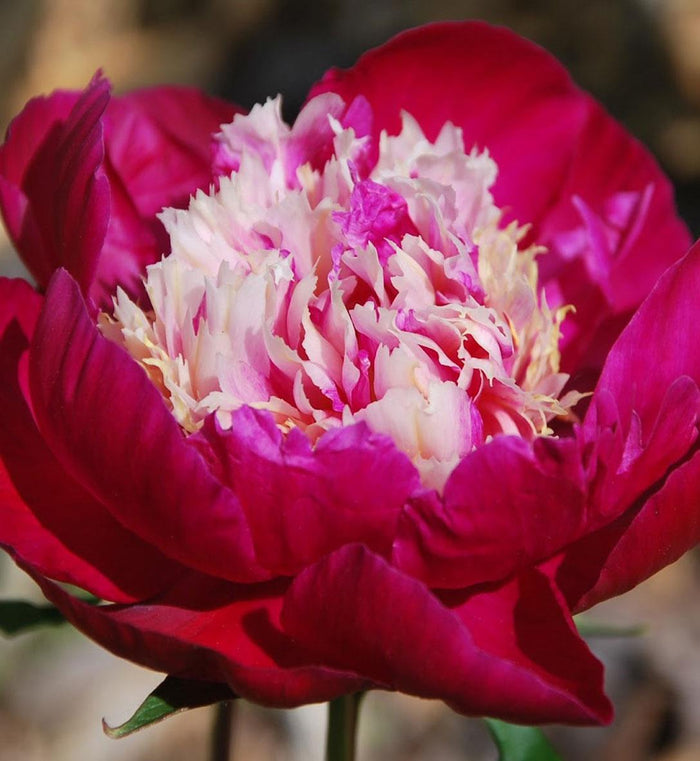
(641, 58)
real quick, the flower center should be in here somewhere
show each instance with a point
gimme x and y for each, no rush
(328, 292)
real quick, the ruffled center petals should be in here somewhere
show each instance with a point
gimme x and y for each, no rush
(328, 293)
(377, 215)
(436, 428)
(280, 149)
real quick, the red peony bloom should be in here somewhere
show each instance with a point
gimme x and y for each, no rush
(339, 436)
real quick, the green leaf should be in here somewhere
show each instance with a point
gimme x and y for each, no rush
(588, 628)
(171, 696)
(517, 743)
(17, 615)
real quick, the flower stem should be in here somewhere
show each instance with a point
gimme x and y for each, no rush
(221, 731)
(342, 727)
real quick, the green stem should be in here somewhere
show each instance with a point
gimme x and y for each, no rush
(342, 727)
(221, 731)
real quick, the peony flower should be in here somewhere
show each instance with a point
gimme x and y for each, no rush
(329, 426)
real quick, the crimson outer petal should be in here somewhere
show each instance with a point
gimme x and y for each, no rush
(158, 153)
(300, 502)
(651, 378)
(507, 505)
(53, 191)
(210, 630)
(82, 176)
(109, 428)
(510, 651)
(554, 145)
(48, 520)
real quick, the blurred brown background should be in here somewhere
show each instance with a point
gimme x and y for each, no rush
(642, 59)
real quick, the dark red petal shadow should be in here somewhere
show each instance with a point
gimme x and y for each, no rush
(659, 345)
(627, 456)
(82, 178)
(159, 143)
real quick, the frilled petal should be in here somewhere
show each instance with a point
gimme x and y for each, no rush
(506, 505)
(49, 521)
(511, 651)
(635, 546)
(659, 344)
(53, 191)
(211, 630)
(645, 410)
(627, 457)
(109, 428)
(591, 192)
(302, 503)
(641, 434)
